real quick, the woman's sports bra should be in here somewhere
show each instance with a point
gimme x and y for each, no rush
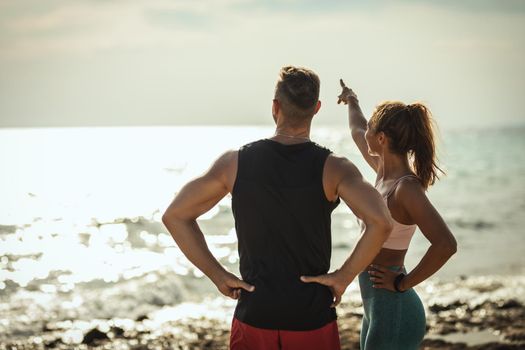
(401, 234)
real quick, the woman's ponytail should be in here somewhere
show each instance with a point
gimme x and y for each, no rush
(423, 148)
(409, 128)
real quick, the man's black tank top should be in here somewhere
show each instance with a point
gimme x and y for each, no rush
(282, 219)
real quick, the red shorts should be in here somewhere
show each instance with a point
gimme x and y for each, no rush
(246, 337)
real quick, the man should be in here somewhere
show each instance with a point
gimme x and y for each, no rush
(283, 192)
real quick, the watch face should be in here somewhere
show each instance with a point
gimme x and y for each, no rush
(397, 280)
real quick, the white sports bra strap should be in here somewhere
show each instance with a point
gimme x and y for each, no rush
(394, 186)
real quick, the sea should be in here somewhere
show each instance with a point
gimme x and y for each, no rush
(81, 236)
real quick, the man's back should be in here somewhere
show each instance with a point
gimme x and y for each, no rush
(281, 198)
(282, 219)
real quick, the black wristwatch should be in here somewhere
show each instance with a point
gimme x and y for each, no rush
(397, 282)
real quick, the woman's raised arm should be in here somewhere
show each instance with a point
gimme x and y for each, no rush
(357, 123)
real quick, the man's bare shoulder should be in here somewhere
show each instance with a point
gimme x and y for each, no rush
(225, 168)
(227, 159)
(338, 167)
(224, 161)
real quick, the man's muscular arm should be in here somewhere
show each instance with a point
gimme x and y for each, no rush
(341, 178)
(194, 199)
(367, 204)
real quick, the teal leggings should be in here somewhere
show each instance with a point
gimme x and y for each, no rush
(391, 320)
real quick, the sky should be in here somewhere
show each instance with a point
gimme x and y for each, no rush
(199, 62)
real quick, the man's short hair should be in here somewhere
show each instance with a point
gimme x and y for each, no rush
(297, 91)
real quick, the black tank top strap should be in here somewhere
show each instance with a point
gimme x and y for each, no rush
(322, 155)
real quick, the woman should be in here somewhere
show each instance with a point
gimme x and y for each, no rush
(398, 143)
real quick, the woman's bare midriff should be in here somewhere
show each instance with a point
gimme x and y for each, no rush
(390, 257)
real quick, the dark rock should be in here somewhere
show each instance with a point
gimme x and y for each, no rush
(438, 307)
(141, 318)
(94, 335)
(515, 334)
(448, 328)
(140, 347)
(431, 344)
(509, 304)
(497, 346)
(53, 343)
(117, 331)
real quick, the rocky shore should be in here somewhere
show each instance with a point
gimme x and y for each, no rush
(460, 324)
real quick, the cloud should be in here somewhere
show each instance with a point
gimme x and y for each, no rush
(68, 27)
(123, 59)
(82, 27)
(476, 6)
(371, 6)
